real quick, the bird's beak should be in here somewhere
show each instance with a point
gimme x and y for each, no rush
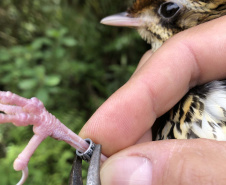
(122, 19)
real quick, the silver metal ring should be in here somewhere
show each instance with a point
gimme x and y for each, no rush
(86, 156)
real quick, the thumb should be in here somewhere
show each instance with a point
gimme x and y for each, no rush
(172, 162)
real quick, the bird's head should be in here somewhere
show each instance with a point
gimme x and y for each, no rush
(158, 20)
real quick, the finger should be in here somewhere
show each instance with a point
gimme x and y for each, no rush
(143, 60)
(171, 162)
(192, 57)
(146, 137)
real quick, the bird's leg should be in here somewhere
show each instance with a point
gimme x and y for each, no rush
(22, 112)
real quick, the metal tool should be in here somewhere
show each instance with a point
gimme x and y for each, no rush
(91, 155)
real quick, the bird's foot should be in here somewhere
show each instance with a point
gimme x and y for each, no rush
(22, 112)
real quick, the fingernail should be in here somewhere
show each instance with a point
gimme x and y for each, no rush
(127, 170)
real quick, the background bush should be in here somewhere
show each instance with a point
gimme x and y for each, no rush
(57, 51)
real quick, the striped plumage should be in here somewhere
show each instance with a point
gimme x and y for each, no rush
(201, 113)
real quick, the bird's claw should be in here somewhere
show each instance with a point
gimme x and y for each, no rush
(22, 112)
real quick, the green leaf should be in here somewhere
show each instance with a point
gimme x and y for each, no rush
(27, 84)
(38, 43)
(56, 33)
(69, 41)
(52, 80)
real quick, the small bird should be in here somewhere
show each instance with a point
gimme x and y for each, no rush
(201, 113)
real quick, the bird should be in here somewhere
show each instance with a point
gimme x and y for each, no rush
(201, 113)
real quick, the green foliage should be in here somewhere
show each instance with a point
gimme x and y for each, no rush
(58, 52)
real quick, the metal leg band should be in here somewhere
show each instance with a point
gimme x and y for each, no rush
(86, 156)
(93, 154)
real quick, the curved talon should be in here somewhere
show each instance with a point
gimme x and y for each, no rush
(24, 176)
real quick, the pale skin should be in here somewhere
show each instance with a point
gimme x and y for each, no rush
(190, 58)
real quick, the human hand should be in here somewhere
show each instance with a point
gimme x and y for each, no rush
(190, 58)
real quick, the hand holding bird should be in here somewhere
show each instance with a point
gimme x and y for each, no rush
(190, 58)
(157, 85)
(202, 111)
(160, 81)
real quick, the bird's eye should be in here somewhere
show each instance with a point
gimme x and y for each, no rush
(169, 9)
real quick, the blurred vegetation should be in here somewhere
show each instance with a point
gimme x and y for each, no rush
(57, 51)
